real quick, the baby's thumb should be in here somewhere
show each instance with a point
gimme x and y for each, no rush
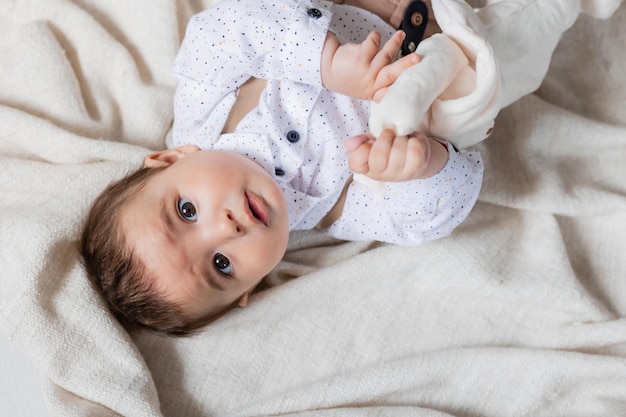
(359, 148)
(355, 141)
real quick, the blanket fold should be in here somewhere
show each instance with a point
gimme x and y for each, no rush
(519, 312)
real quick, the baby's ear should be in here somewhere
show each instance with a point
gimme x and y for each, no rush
(168, 156)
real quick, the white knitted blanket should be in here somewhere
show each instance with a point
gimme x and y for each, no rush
(518, 313)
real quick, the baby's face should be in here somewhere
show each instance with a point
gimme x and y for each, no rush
(209, 227)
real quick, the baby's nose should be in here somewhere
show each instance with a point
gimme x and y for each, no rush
(228, 224)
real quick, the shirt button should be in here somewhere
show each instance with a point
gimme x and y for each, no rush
(293, 136)
(279, 172)
(314, 13)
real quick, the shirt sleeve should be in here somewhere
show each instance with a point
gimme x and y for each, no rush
(226, 45)
(413, 212)
(264, 39)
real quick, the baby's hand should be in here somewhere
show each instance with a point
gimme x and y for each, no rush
(363, 70)
(395, 158)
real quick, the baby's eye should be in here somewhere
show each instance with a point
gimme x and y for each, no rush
(186, 210)
(222, 264)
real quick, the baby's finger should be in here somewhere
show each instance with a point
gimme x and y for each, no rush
(355, 141)
(358, 158)
(389, 50)
(397, 158)
(389, 74)
(379, 155)
(379, 94)
(417, 155)
(371, 45)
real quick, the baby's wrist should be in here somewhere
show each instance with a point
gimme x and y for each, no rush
(331, 44)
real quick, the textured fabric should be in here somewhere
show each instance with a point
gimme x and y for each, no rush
(520, 312)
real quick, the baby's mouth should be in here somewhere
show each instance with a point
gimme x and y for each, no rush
(257, 209)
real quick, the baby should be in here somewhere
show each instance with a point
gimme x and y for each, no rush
(268, 94)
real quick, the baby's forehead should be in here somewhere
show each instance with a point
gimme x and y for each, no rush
(146, 239)
(140, 216)
(149, 185)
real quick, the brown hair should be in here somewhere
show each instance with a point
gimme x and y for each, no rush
(121, 278)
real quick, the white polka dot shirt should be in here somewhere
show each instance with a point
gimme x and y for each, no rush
(297, 131)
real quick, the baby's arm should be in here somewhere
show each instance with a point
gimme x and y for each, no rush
(412, 212)
(363, 70)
